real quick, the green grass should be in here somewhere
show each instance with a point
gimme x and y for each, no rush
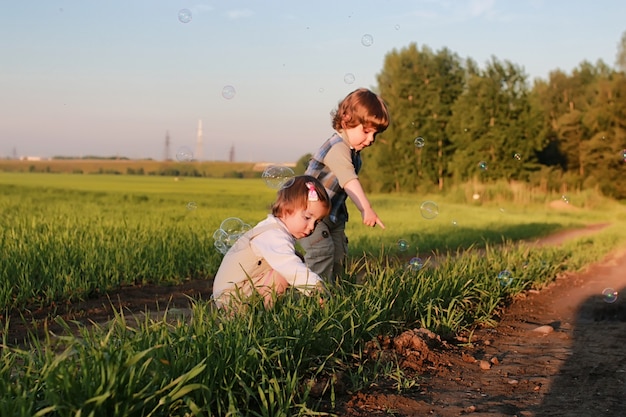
(459, 225)
(69, 237)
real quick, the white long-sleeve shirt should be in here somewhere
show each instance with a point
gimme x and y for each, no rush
(269, 245)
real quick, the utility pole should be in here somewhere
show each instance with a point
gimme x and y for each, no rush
(166, 151)
(199, 142)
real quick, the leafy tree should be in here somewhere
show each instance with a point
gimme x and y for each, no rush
(550, 98)
(584, 125)
(494, 129)
(603, 152)
(567, 130)
(419, 86)
(302, 164)
(621, 54)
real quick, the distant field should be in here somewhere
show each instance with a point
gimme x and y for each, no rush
(217, 169)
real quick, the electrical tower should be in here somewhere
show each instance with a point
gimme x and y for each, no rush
(166, 151)
(199, 142)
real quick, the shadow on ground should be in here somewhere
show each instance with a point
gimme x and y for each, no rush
(591, 382)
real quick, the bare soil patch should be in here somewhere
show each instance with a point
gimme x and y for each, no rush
(557, 352)
(131, 301)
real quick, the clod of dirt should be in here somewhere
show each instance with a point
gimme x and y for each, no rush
(417, 349)
(547, 329)
(324, 384)
(468, 358)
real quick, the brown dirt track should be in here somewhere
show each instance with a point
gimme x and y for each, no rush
(557, 352)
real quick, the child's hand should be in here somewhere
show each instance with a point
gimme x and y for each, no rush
(370, 218)
(324, 293)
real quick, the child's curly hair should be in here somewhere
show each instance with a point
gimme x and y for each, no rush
(364, 107)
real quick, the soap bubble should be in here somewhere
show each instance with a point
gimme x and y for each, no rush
(367, 40)
(219, 234)
(419, 142)
(278, 176)
(232, 225)
(415, 264)
(184, 15)
(505, 277)
(228, 92)
(482, 165)
(349, 78)
(184, 154)
(429, 209)
(397, 27)
(221, 247)
(565, 199)
(517, 156)
(609, 295)
(403, 245)
(219, 239)
(192, 206)
(230, 230)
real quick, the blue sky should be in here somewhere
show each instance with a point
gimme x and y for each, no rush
(85, 77)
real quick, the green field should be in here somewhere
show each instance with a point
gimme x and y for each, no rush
(68, 237)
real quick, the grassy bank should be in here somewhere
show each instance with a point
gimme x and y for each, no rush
(63, 238)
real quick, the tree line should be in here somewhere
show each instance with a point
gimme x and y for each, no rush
(490, 124)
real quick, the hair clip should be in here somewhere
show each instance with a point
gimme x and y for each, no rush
(312, 193)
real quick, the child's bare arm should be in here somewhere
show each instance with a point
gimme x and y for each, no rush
(356, 193)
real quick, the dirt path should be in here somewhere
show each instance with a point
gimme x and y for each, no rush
(558, 352)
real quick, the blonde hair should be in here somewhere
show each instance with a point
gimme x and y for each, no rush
(364, 107)
(295, 196)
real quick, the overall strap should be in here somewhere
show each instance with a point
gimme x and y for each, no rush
(258, 230)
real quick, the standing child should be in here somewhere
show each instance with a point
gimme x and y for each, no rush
(357, 120)
(264, 259)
